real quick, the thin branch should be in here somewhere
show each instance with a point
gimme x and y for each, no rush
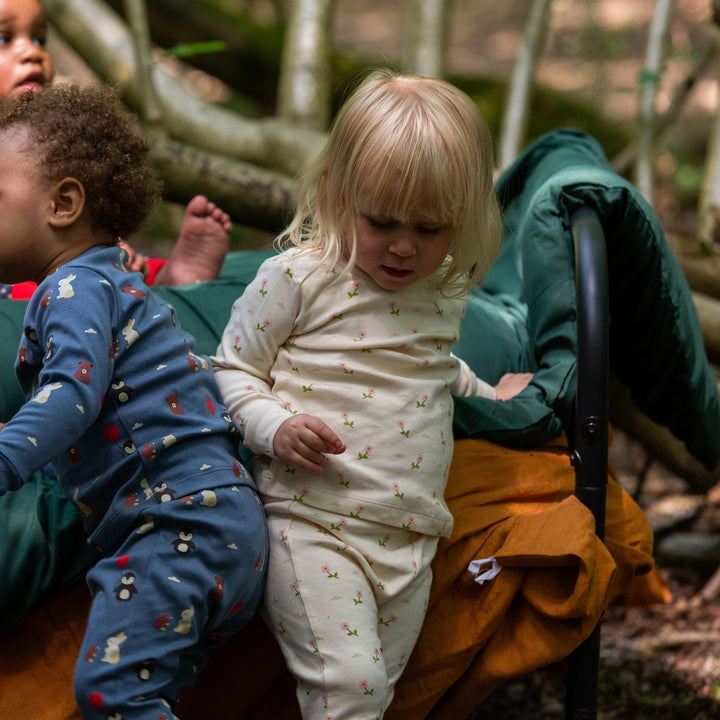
(304, 84)
(515, 114)
(150, 110)
(627, 156)
(649, 83)
(426, 29)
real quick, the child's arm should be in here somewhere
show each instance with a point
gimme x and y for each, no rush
(261, 322)
(74, 338)
(469, 384)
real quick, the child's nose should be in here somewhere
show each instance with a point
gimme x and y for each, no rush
(403, 245)
(28, 49)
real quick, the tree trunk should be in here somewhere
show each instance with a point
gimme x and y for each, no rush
(252, 196)
(708, 310)
(103, 41)
(658, 440)
(702, 271)
(304, 88)
(426, 24)
(709, 206)
(512, 134)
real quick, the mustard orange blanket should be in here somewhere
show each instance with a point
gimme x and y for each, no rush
(515, 505)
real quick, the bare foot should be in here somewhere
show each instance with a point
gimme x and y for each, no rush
(201, 246)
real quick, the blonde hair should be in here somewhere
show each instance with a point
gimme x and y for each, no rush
(404, 143)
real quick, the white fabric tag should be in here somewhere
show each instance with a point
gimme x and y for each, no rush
(484, 569)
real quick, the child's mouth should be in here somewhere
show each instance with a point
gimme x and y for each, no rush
(396, 272)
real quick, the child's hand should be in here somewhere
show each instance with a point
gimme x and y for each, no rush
(305, 440)
(136, 262)
(511, 384)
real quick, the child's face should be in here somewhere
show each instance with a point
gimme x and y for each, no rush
(24, 198)
(397, 254)
(24, 61)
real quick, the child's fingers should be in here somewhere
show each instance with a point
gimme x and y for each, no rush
(304, 440)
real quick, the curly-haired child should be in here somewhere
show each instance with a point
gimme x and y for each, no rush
(337, 370)
(120, 403)
(26, 66)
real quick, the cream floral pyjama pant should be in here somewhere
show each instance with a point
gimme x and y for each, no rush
(346, 599)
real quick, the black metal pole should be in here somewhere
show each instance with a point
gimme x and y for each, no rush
(590, 432)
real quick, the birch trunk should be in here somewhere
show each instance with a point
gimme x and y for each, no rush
(304, 87)
(515, 114)
(101, 38)
(649, 83)
(426, 25)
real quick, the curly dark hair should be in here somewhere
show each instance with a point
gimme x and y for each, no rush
(86, 133)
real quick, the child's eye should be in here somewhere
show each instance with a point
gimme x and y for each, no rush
(5, 38)
(380, 223)
(40, 40)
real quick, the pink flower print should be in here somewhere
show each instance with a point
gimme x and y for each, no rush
(364, 455)
(358, 598)
(408, 525)
(346, 627)
(403, 430)
(301, 497)
(263, 287)
(387, 621)
(342, 481)
(339, 525)
(288, 406)
(369, 395)
(366, 690)
(347, 421)
(438, 344)
(281, 625)
(354, 291)
(237, 346)
(394, 309)
(442, 438)
(402, 661)
(361, 336)
(421, 402)
(416, 465)
(283, 535)
(345, 369)
(384, 541)
(295, 589)
(438, 309)
(293, 368)
(249, 388)
(314, 646)
(240, 420)
(332, 575)
(398, 494)
(356, 514)
(435, 498)
(263, 326)
(376, 655)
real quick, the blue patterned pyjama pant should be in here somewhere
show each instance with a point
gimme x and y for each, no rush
(186, 579)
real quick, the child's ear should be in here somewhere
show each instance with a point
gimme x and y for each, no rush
(67, 202)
